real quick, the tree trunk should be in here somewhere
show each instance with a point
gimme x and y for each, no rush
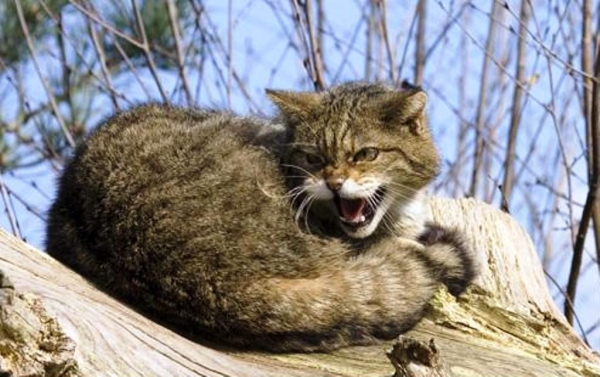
(54, 323)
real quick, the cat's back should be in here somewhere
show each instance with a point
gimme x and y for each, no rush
(157, 177)
(162, 142)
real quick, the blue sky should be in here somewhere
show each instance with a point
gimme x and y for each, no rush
(263, 57)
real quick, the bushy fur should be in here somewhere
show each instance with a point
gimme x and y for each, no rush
(191, 217)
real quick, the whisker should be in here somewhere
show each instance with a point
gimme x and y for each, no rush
(310, 202)
(400, 193)
(299, 168)
(402, 186)
(301, 208)
(304, 207)
(295, 193)
(388, 222)
(297, 189)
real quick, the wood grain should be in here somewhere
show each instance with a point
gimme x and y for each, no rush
(506, 324)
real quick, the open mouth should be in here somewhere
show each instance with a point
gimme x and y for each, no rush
(358, 212)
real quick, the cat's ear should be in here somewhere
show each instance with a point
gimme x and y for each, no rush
(414, 104)
(404, 107)
(295, 104)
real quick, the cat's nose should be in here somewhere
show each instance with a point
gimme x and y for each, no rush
(335, 183)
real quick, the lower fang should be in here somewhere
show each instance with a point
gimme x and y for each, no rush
(362, 219)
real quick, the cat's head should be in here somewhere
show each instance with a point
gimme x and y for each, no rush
(358, 150)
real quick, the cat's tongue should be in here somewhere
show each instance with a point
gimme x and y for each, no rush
(352, 209)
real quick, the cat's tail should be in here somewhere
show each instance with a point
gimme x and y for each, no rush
(450, 256)
(378, 294)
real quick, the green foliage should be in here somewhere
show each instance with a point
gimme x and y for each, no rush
(13, 48)
(61, 38)
(155, 19)
(5, 153)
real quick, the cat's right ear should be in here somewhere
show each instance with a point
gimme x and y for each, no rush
(295, 105)
(404, 107)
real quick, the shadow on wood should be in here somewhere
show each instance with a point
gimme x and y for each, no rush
(54, 323)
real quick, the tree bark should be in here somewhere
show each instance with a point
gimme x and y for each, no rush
(54, 323)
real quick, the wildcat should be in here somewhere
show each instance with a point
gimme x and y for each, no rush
(303, 233)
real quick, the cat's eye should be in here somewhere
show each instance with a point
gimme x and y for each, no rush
(366, 154)
(313, 159)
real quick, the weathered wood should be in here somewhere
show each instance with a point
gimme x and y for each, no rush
(507, 324)
(413, 358)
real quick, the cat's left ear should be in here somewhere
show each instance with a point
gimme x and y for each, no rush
(405, 107)
(295, 105)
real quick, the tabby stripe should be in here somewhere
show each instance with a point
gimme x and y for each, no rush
(414, 163)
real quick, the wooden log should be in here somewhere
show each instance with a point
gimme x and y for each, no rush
(54, 323)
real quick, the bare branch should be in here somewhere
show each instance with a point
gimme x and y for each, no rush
(313, 62)
(383, 30)
(229, 51)
(173, 23)
(202, 17)
(370, 39)
(43, 79)
(315, 47)
(8, 209)
(420, 49)
(592, 195)
(515, 121)
(586, 66)
(96, 18)
(569, 303)
(146, 49)
(102, 58)
(482, 102)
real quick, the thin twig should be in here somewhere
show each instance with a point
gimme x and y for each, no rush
(146, 49)
(131, 67)
(369, 42)
(104, 24)
(420, 48)
(411, 30)
(315, 47)
(565, 66)
(561, 143)
(173, 23)
(89, 73)
(569, 303)
(102, 59)
(14, 226)
(229, 51)
(43, 79)
(592, 195)
(383, 29)
(586, 66)
(463, 126)
(350, 44)
(320, 31)
(482, 102)
(35, 211)
(312, 62)
(499, 64)
(515, 120)
(198, 10)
